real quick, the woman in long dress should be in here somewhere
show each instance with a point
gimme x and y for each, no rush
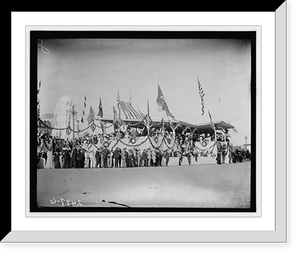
(49, 162)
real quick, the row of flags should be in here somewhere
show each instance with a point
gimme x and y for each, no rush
(91, 115)
(131, 113)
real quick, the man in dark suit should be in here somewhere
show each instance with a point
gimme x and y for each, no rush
(116, 156)
(66, 158)
(167, 156)
(74, 158)
(98, 158)
(105, 154)
(81, 158)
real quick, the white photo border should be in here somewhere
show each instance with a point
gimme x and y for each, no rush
(270, 226)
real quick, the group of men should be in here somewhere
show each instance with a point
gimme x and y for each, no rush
(78, 157)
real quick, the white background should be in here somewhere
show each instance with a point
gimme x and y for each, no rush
(265, 220)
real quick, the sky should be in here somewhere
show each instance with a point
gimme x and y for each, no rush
(135, 67)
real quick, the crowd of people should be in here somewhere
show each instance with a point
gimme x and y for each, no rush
(77, 152)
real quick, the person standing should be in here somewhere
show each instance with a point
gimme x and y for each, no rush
(123, 158)
(116, 157)
(139, 158)
(98, 159)
(56, 159)
(81, 158)
(66, 157)
(129, 158)
(180, 154)
(49, 146)
(74, 157)
(167, 156)
(105, 154)
(149, 161)
(153, 157)
(189, 156)
(144, 158)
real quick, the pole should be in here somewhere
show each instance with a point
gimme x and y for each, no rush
(73, 114)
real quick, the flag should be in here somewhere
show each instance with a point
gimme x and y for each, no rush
(100, 111)
(84, 106)
(91, 116)
(118, 104)
(115, 115)
(162, 104)
(201, 93)
(212, 125)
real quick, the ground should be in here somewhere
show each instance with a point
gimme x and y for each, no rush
(206, 185)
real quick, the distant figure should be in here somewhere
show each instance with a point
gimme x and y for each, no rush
(167, 156)
(105, 154)
(74, 158)
(189, 156)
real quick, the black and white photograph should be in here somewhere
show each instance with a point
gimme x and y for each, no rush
(143, 121)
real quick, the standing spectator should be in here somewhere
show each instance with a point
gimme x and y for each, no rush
(116, 155)
(92, 159)
(167, 156)
(56, 159)
(159, 157)
(61, 159)
(144, 158)
(98, 158)
(105, 154)
(66, 158)
(149, 157)
(180, 154)
(86, 159)
(110, 159)
(153, 158)
(74, 157)
(139, 158)
(189, 155)
(129, 158)
(81, 158)
(49, 146)
(123, 157)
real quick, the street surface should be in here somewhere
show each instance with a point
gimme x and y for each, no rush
(206, 185)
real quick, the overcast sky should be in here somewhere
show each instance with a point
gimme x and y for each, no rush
(100, 67)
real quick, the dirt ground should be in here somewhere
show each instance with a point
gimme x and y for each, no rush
(207, 185)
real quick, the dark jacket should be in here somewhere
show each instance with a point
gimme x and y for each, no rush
(105, 153)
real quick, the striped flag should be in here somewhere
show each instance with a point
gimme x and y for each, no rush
(201, 93)
(118, 105)
(212, 125)
(84, 106)
(129, 111)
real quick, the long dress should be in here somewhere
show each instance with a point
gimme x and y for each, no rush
(49, 162)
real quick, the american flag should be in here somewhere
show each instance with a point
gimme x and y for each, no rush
(84, 106)
(118, 105)
(201, 93)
